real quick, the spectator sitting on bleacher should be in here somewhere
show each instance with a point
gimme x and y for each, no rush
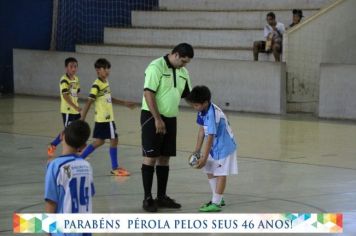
(273, 34)
(297, 17)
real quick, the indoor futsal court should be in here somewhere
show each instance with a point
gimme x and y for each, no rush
(292, 163)
(265, 88)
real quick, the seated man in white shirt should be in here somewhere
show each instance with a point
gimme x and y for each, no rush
(273, 34)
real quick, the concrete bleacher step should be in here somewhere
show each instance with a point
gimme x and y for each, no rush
(139, 50)
(243, 85)
(233, 5)
(223, 29)
(197, 37)
(210, 19)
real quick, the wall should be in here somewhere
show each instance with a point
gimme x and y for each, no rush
(329, 36)
(23, 24)
(245, 86)
(337, 91)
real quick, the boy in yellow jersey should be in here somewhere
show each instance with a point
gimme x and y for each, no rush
(69, 89)
(104, 117)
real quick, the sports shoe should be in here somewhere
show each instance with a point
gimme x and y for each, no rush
(120, 172)
(149, 205)
(222, 203)
(210, 208)
(51, 150)
(167, 202)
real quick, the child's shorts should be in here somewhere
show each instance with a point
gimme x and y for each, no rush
(105, 130)
(222, 167)
(69, 118)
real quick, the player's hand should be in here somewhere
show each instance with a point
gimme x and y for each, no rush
(78, 109)
(201, 162)
(130, 105)
(160, 126)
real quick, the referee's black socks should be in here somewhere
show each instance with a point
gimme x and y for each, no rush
(147, 179)
(162, 173)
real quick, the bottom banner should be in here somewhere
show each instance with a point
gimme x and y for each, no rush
(179, 223)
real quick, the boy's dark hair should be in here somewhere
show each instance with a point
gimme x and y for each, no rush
(77, 133)
(69, 60)
(102, 63)
(272, 15)
(199, 94)
(298, 12)
(184, 50)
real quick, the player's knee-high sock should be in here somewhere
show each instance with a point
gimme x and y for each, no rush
(87, 151)
(162, 173)
(114, 158)
(56, 141)
(212, 183)
(147, 179)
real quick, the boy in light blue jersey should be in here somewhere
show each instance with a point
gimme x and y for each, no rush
(69, 184)
(219, 155)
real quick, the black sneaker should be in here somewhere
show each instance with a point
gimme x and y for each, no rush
(167, 202)
(149, 205)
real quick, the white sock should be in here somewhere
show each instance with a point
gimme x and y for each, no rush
(217, 198)
(212, 183)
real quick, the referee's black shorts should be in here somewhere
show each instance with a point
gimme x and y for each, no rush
(156, 145)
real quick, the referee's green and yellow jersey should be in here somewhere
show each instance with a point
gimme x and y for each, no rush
(168, 84)
(71, 87)
(101, 93)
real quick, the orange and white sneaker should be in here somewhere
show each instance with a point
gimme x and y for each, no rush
(51, 151)
(120, 172)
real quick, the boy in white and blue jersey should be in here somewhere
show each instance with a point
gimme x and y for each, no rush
(219, 155)
(69, 184)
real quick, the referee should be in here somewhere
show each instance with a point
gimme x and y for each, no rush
(166, 82)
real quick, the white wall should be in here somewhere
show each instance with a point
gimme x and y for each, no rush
(337, 91)
(329, 36)
(246, 86)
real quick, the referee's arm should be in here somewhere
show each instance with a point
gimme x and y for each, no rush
(152, 105)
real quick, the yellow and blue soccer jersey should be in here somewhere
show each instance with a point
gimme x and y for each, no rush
(69, 183)
(100, 92)
(71, 87)
(215, 123)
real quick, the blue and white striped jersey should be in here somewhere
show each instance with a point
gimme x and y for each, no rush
(69, 183)
(215, 122)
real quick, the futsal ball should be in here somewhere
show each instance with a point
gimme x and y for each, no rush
(193, 159)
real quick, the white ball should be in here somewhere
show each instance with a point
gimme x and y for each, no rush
(193, 159)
